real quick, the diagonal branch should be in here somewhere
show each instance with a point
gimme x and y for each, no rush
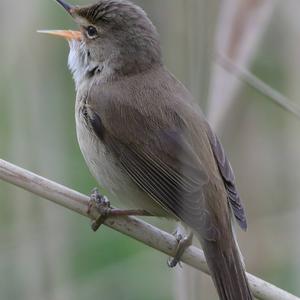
(240, 29)
(132, 227)
(256, 83)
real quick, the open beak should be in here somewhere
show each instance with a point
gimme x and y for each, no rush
(67, 34)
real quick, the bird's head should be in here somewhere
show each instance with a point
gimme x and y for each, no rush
(116, 38)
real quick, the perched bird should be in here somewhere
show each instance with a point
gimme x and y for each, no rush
(145, 139)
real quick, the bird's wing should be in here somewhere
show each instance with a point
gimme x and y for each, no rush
(228, 179)
(155, 153)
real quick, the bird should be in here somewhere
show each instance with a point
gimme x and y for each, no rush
(146, 140)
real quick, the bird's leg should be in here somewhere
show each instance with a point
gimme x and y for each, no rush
(184, 241)
(102, 204)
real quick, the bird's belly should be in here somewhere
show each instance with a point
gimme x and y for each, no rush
(104, 167)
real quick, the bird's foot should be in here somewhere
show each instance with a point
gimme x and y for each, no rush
(102, 205)
(183, 243)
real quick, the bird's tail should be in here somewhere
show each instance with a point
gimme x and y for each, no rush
(227, 270)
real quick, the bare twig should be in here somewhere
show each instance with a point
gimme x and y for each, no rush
(240, 29)
(259, 85)
(129, 226)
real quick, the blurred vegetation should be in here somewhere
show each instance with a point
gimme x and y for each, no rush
(49, 253)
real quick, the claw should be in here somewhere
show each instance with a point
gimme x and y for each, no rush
(183, 243)
(172, 262)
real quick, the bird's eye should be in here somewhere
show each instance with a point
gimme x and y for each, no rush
(91, 32)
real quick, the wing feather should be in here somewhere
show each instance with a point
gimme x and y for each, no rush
(162, 163)
(228, 179)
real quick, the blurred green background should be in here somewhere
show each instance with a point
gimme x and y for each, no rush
(47, 252)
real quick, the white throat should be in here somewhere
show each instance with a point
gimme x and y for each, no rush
(82, 69)
(77, 61)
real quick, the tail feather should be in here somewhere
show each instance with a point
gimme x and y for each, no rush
(227, 271)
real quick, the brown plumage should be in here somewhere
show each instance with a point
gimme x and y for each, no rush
(144, 138)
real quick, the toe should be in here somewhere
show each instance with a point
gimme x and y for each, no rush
(172, 262)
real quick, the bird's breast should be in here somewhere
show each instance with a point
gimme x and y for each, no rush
(98, 159)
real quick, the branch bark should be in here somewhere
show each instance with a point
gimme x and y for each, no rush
(132, 227)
